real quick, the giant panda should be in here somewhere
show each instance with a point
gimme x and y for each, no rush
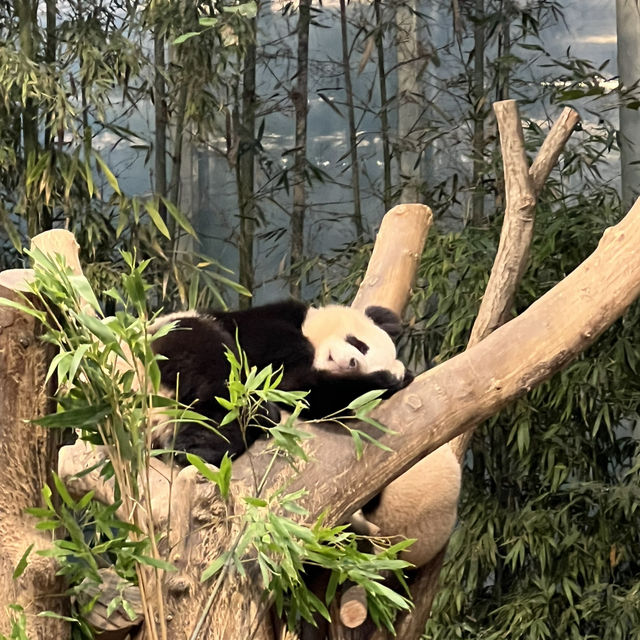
(335, 353)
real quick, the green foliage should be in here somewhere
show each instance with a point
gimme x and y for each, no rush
(286, 551)
(18, 623)
(108, 379)
(95, 538)
(68, 90)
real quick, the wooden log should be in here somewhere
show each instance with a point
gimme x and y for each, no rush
(353, 607)
(28, 453)
(396, 254)
(27, 457)
(447, 400)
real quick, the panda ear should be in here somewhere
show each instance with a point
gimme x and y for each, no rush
(386, 319)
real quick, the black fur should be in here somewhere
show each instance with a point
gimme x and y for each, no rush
(269, 334)
(385, 319)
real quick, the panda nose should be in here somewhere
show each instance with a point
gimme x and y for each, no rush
(353, 363)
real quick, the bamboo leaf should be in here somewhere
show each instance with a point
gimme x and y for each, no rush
(111, 179)
(22, 563)
(156, 218)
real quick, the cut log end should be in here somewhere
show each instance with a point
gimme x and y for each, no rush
(353, 607)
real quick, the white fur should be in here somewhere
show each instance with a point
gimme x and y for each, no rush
(161, 320)
(327, 329)
(422, 503)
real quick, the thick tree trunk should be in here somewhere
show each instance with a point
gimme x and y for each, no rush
(27, 456)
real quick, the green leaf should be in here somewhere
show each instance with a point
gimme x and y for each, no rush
(88, 176)
(111, 179)
(186, 36)
(55, 362)
(10, 228)
(332, 586)
(85, 500)
(365, 398)
(255, 502)
(82, 286)
(357, 441)
(62, 491)
(77, 358)
(179, 217)
(224, 481)
(98, 328)
(156, 218)
(214, 567)
(156, 562)
(222, 478)
(39, 315)
(82, 418)
(246, 10)
(129, 610)
(22, 563)
(57, 616)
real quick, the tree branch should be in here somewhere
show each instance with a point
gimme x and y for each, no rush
(509, 266)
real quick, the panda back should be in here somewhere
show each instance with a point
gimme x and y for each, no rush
(194, 361)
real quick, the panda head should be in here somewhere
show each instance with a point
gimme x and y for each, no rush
(349, 342)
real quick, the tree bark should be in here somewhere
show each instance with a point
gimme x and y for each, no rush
(447, 400)
(395, 258)
(437, 406)
(522, 188)
(27, 456)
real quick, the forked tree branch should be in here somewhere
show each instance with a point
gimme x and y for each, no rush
(522, 187)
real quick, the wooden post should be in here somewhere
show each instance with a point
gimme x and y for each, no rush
(28, 453)
(27, 456)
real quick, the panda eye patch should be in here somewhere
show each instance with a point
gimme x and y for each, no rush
(358, 344)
